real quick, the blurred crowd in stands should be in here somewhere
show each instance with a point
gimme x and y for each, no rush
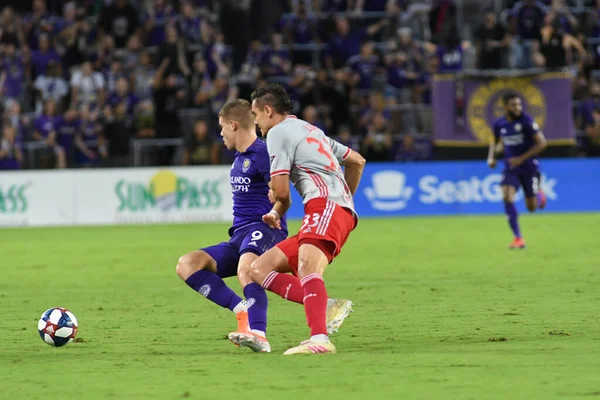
(87, 83)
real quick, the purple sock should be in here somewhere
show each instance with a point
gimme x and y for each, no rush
(256, 297)
(211, 286)
(513, 218)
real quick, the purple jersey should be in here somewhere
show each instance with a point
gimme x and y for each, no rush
(301, 29)
(451, 60)
(517, 137)
(397, 74)
(15, 76)
(131, 100)
(40, 61)
(89, 135)
(61, 24)
(190, 28)
(45, 124)
(530, 19)
(67, 131)
(89, 132)
(341, 48)
(9, 161)
(365, 68)
(249, 177)
(161, 18)
(269, 59)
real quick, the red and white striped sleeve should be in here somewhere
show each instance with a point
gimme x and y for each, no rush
(340, 151)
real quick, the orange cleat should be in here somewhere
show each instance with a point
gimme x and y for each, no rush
(242, 319)
(518, 243)
(255, 342)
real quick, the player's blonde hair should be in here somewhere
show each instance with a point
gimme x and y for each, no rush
(240, 111)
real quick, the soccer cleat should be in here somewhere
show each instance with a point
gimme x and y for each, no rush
(518, 243)
(337, 312)
(542, 200)
(256, 343)
(311, 347)
(242, 319)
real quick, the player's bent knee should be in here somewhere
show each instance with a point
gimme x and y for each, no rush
(244, 273)
(508, 194)
(192, 262)
(244, 270)
(256, 272)
(313, 257)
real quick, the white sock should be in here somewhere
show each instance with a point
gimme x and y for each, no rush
(322, 338)
(242, 306)
(259, 333)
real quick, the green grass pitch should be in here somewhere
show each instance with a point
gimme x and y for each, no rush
(443, 311)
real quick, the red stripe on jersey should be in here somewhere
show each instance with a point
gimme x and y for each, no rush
(347, 153)
(346, 188)
(291, 116)
(315, 179)
(280, 172)
(319, 182)
(323, 185)
(312, 176)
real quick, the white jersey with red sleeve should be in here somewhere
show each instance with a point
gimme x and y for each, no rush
(311, 159)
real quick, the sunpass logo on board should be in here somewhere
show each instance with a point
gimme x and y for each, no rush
(389, 190)
(167, 191)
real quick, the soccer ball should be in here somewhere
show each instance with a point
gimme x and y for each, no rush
(57, 326)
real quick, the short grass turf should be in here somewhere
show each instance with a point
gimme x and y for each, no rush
(443, 311)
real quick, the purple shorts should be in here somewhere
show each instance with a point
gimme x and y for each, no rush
(527, 178)
(254, 238)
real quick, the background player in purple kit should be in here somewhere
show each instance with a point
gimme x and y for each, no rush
(518, 134)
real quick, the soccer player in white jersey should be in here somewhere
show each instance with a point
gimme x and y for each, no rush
(303, 154)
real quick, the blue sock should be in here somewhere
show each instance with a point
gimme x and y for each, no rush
(256, 297)
(513, 218)
(211, 286)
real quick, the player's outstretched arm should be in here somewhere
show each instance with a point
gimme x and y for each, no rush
(355, 164)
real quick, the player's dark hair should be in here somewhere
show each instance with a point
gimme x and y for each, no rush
(508, 97)
(274, 95)
(240, 111)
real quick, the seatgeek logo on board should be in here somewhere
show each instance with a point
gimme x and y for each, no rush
(388, 190)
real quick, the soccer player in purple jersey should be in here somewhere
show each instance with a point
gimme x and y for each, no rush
(203, 270)
(522, 140)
